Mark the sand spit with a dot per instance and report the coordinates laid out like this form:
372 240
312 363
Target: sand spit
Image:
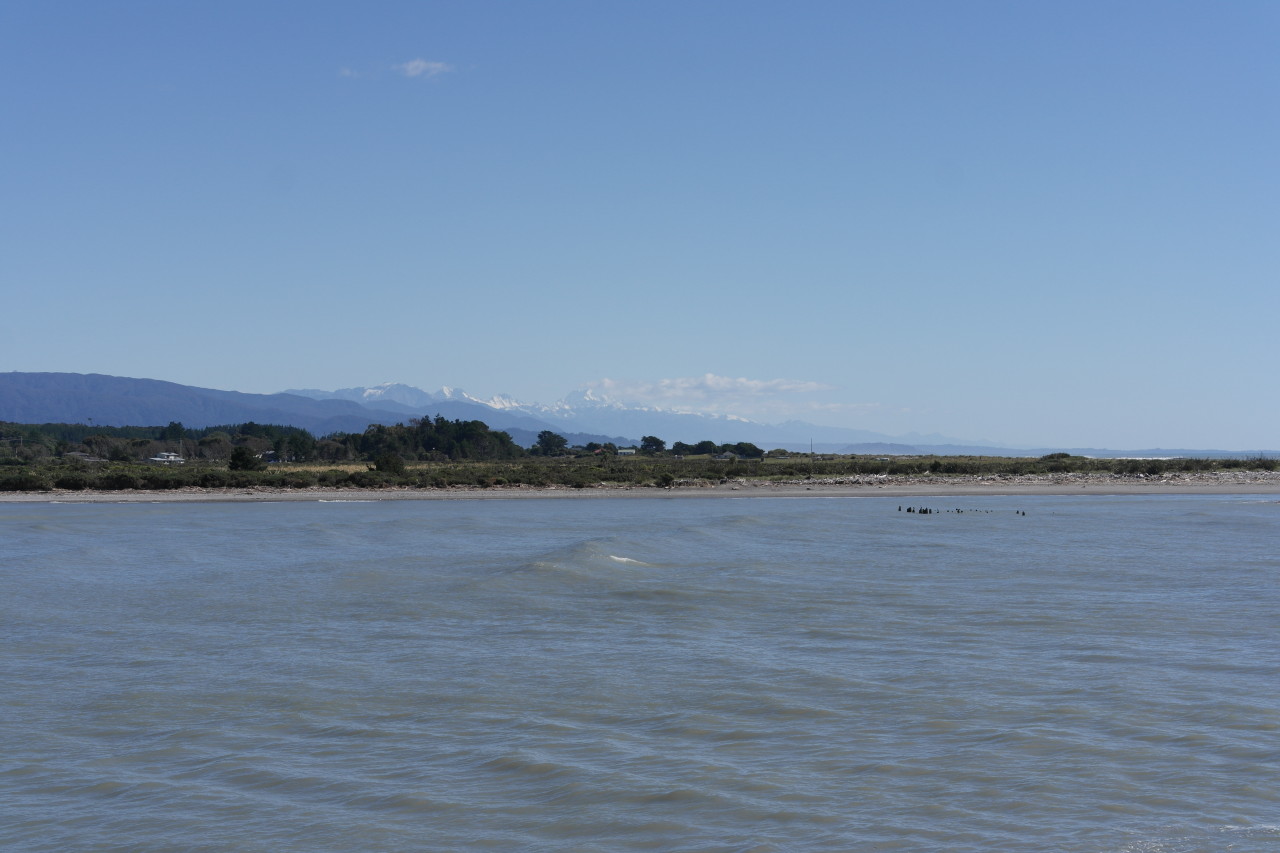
1203 483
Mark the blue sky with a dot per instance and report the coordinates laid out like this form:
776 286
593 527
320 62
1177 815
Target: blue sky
1027 223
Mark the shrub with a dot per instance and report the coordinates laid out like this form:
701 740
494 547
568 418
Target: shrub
579 480
24 481
243 479
161 479
368 479
332 478
74 480
215 479
116 480
389 463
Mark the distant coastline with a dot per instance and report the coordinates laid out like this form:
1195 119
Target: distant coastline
1094 484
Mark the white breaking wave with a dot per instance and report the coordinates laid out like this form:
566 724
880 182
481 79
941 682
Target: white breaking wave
628 561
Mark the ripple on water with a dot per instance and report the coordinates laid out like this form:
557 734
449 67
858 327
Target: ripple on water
596 675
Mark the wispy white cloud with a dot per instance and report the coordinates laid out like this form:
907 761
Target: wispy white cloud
423 68
710 393
842 408
427 68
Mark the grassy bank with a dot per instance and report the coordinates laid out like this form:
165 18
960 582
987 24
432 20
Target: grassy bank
578 473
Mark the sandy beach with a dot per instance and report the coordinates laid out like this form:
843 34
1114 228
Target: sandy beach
1207 483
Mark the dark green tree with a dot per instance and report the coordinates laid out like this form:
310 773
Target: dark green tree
389 463
652 444
244 459
302 446
551 444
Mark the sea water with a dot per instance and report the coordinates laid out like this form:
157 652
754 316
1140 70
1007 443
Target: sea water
763 674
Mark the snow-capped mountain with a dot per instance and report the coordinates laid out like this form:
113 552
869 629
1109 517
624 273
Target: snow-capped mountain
376 396
498 401
40 398
588 412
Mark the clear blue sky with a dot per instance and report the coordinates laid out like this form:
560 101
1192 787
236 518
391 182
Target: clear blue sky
1030 223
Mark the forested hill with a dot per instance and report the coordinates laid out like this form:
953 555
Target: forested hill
36 398
120 401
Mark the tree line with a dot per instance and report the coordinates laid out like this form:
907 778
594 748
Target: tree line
553 444
437 452
422 439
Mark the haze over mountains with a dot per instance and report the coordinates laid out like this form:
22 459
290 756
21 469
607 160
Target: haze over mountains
581 417
589 413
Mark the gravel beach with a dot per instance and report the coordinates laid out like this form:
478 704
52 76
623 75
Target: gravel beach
1215 482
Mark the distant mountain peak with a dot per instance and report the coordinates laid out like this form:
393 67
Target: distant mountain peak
590 397
584 416
591 410
397 391
498 401
374 395
504 401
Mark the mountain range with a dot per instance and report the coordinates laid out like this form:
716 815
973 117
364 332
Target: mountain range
589 413
580 417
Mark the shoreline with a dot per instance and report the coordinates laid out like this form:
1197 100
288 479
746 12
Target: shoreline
1212 483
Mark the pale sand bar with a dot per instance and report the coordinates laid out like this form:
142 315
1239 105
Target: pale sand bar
1207 483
